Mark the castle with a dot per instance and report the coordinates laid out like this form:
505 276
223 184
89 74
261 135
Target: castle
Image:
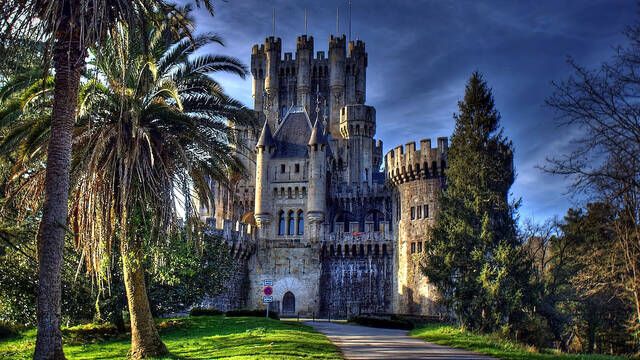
316 213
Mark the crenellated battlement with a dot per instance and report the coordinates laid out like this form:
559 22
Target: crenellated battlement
273 44
337 42
362 244
240 238
356 47
304 42
257 49
357 120
406 163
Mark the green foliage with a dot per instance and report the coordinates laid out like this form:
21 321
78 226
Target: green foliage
254 313
183 272
474 256
493 345
596 310
202 337
380 322
18 279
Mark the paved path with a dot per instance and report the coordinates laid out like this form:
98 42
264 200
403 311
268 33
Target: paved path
360 342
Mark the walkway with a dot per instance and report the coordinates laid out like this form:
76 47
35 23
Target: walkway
360 342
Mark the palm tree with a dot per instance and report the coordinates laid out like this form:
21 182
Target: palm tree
151 118
70 27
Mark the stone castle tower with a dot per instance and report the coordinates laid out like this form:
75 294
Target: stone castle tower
336 233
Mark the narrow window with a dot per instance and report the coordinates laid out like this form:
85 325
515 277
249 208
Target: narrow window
419 208
297 168
300 222
420 246
291 228
413 213
426 210
281 223
413 247
282 167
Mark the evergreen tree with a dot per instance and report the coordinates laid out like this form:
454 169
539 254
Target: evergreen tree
474 254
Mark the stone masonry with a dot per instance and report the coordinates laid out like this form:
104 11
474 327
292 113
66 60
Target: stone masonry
337 231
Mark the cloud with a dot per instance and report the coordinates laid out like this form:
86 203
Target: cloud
421 53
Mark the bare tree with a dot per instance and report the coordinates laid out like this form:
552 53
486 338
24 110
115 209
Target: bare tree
604 104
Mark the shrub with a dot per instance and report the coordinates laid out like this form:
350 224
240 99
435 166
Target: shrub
199 311
380 322
254 313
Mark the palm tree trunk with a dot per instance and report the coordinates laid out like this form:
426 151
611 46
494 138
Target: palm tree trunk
68 62
145 341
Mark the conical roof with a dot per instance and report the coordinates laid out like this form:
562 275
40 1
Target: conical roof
317 134
266 139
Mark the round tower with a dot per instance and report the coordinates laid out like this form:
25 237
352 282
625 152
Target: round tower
272 50
264 150
417 175
304 55
317 196
358 125
337 67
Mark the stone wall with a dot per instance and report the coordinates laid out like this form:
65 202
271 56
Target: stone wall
234 295
351 285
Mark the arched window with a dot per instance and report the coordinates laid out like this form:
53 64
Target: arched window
281 222
300 221
288 303
291 221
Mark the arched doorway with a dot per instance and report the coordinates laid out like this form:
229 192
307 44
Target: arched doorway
288 303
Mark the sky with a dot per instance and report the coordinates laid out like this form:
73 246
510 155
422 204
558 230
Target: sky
422 52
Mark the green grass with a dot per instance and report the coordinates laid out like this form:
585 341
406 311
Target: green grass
203 337
492 345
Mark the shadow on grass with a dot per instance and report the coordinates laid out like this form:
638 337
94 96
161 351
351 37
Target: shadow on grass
202 337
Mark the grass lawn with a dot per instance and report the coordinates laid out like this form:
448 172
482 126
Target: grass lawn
203 337
491 345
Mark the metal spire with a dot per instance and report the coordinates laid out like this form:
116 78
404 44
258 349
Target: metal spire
349 20
337 20
273 20
305 21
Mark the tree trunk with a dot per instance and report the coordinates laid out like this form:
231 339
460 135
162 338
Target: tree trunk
145 341
68 62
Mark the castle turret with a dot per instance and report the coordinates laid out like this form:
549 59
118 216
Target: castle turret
358 57
337 63
358 125
304 55
316 200
272 49
264 150
257 72
417 176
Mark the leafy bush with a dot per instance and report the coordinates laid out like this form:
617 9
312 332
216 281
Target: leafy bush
380 322
255 313
199 311
187 272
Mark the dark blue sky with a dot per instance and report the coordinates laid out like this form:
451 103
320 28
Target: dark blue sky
422 52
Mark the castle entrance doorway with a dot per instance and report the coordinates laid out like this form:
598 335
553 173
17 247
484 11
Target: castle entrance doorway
288 303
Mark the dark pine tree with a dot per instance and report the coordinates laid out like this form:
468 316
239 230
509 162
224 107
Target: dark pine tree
474 254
